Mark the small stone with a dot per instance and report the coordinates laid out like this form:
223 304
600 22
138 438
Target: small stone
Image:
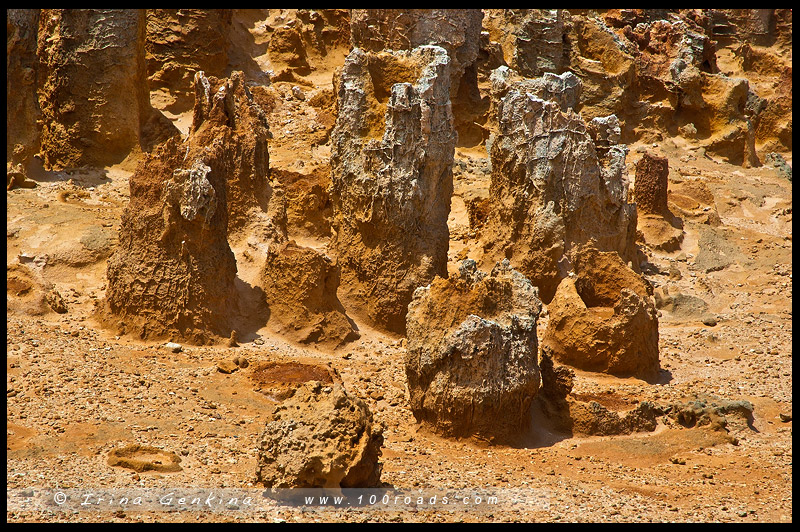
243 362
227 366
785 417
172 346
258 341
711 321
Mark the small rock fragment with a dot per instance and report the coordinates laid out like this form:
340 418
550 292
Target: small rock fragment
174 347
227 366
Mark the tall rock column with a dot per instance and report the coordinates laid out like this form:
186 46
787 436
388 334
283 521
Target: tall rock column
391 161
556 182
93 87
22 105
456 30
173 273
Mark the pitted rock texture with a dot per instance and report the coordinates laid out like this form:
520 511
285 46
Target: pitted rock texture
308 203
532 40
391 172
551 189
471 362
181 42
300 42
173 271
321 437
650 190
300 285
456 30
564 89
22 103
659 70
228 103
93 87
602 319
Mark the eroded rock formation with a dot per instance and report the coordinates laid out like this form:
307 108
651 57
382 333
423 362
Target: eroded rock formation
22 103
587 418
472 352
228 102
602 318
93 87
659 228
391 160
300 285
650 190
181 42
456 30
554 186
173 271
321 437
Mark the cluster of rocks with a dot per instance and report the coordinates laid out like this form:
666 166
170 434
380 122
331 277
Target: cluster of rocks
553 94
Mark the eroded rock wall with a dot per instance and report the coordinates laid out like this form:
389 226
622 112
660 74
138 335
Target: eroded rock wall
93 89
181 42
22 102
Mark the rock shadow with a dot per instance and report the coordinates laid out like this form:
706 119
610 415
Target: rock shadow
82 177
542 431
253 311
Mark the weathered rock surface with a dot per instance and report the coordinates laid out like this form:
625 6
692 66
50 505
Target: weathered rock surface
391 161
144 458
22 103
551 187
532 40
658 70
229 103
471 362
708 410
303 41
602 319
657 226
94 119
308 203
173 271
28 292
650 190
181 42
321 437
300 285
456 30
280 380
574 415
